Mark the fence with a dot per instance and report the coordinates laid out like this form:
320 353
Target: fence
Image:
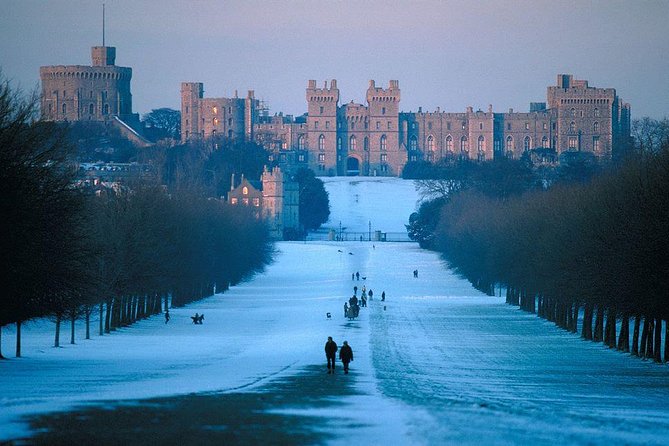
349 236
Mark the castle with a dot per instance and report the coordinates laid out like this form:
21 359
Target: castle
379 139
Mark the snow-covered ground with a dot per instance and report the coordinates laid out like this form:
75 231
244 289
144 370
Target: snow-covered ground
437 363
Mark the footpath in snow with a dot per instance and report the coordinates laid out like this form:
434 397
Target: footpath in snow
437 363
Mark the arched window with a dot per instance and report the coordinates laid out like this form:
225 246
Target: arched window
449 143
527 143
215 121
321 143
383 143
64 108
430 143
352 143
300 142
464 147
509 143
413 143
573 112
214 110
596 113
480 146
544 142
230 122
245 190
230 134
595 127
91 109
338 143
572 127
365 143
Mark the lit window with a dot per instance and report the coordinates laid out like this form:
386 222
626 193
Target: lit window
321 157
573 143
321 142
378 125
544 142
352 143
595 127
214 110
284 145
527 126
300 157
509 143
449 143
383 143
215 121
545 126
256 202
233 201
245 190
384 157
430 143
595 143
527 143
413 143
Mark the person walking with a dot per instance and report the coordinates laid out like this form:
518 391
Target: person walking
345 309
370 294
346 355
331 354
167 316
383 296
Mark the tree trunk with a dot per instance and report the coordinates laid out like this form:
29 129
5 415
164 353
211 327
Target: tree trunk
649 338
574 327
56 342
108 316
624 338
1 357
73 318
101 322
666 341
611 328
635 336
88 321
18 339
644 338
599 325
658 341
587 322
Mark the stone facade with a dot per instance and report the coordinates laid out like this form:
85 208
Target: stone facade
378 139
276 198
98 92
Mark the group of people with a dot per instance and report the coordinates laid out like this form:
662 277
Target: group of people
345 354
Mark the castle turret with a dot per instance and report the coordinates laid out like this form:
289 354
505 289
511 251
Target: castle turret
385 156
322 127
191 93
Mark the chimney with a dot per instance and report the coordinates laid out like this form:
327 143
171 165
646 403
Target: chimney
232 182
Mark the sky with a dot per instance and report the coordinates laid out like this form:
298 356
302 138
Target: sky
447 54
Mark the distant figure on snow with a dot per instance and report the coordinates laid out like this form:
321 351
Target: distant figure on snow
383 296
167 316
346 355
357 275
331 354
198 318
415 273
370 294
364 301
352 276
353 301
355 289
345 309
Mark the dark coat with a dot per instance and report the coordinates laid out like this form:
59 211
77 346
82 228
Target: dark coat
330 348
346 353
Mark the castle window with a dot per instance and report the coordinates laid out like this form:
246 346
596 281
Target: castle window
186 109
390 125
284 145
596 113
527 143
413 125
214 110
316 124
91 95
383 143
527 126
383 111
449 143
384 157
480 126
430 156
508 126
213 133
595 127
186 121
245 190
352 143
544 142
573 112
327 124
338 143
256 202
229 110
49 108
595 143
464 146
229 122
573 143
64 94
300 142
321 143
90 109
464 125
64 108
509 143
105 109
430 143
321 110
300 157
572 127
413 143
545 126
352 125
365 144
215 121
230 134
448 126
233 200
480 146
378 125
429 125
321 157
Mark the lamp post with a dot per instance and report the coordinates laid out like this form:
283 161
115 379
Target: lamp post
370 230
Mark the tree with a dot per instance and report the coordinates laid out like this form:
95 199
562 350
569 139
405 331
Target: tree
314 200
42 252
162 123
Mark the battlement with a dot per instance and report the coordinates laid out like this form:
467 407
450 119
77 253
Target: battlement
379 94
324 94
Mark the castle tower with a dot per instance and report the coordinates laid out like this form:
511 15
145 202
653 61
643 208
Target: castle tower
191 93
322 128
385 156
280 201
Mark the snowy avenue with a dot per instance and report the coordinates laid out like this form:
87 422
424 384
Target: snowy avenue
436 363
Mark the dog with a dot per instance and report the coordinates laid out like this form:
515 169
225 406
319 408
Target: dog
328 315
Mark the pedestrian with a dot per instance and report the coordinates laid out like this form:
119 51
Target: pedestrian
364 301
331 354
383 296
345 309
357 275
352 276
370 294
355 289
167 316
346 355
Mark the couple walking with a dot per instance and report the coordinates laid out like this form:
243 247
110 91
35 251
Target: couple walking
345 354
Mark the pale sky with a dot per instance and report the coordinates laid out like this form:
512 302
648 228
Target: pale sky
447 54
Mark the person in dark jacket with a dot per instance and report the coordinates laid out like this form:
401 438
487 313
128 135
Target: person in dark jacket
346 355
331 354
